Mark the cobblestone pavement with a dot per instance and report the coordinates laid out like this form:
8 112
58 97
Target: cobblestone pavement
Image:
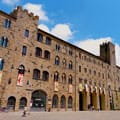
85 115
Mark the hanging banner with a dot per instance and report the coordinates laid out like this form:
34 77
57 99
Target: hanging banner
0 77
100 89
96 89
56 86
81 87
70 88
20 80
86 88
91 89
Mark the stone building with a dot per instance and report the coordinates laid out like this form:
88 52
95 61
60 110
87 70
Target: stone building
44 72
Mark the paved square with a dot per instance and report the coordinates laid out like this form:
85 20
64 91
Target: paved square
85 115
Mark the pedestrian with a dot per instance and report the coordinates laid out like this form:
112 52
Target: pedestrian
25 111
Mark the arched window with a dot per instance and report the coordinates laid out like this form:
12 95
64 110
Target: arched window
38 52
70 79
21 69
55 101
7 23
24 50
11 103
64 62
45 76
36 74
57 60
63 78
23 103
56 76
1 64
26 33
47 54
48 41
39 37
4 42
70 100
70 65
63 102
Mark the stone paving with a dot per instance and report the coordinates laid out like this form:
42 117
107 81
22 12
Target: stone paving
84 115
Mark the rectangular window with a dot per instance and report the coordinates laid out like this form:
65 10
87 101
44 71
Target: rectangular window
24 50
7 23
48 41
79 68
3 42
26 34
1 64
80 80
70 52
94 72
39 37
90 71
57 47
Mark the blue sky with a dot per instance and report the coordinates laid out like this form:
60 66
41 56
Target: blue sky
86 23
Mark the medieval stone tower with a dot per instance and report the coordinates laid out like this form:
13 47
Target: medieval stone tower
107 53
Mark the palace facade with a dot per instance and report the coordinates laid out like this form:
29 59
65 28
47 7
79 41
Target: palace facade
46 73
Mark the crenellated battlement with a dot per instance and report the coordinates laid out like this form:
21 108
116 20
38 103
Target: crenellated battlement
19 9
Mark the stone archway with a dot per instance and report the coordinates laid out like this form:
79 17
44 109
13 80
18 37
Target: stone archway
55 102
63 102
39 100
23 103
82 100
102 101
70 102
93 99
11 103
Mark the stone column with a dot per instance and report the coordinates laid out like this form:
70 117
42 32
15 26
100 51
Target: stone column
98 101
66 106
88 99
17 104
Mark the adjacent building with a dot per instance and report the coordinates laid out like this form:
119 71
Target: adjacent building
43 72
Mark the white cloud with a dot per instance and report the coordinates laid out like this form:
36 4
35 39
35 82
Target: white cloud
92 45
37 9
117 49
62 31
44 27
10 2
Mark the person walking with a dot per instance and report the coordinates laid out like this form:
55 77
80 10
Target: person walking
25 111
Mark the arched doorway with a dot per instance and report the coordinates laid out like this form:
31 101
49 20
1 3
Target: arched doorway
63 102
70 102
102 101
55 102
82 100
23 103
39 100
93 99
11 103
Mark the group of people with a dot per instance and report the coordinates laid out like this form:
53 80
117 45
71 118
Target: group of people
91 107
